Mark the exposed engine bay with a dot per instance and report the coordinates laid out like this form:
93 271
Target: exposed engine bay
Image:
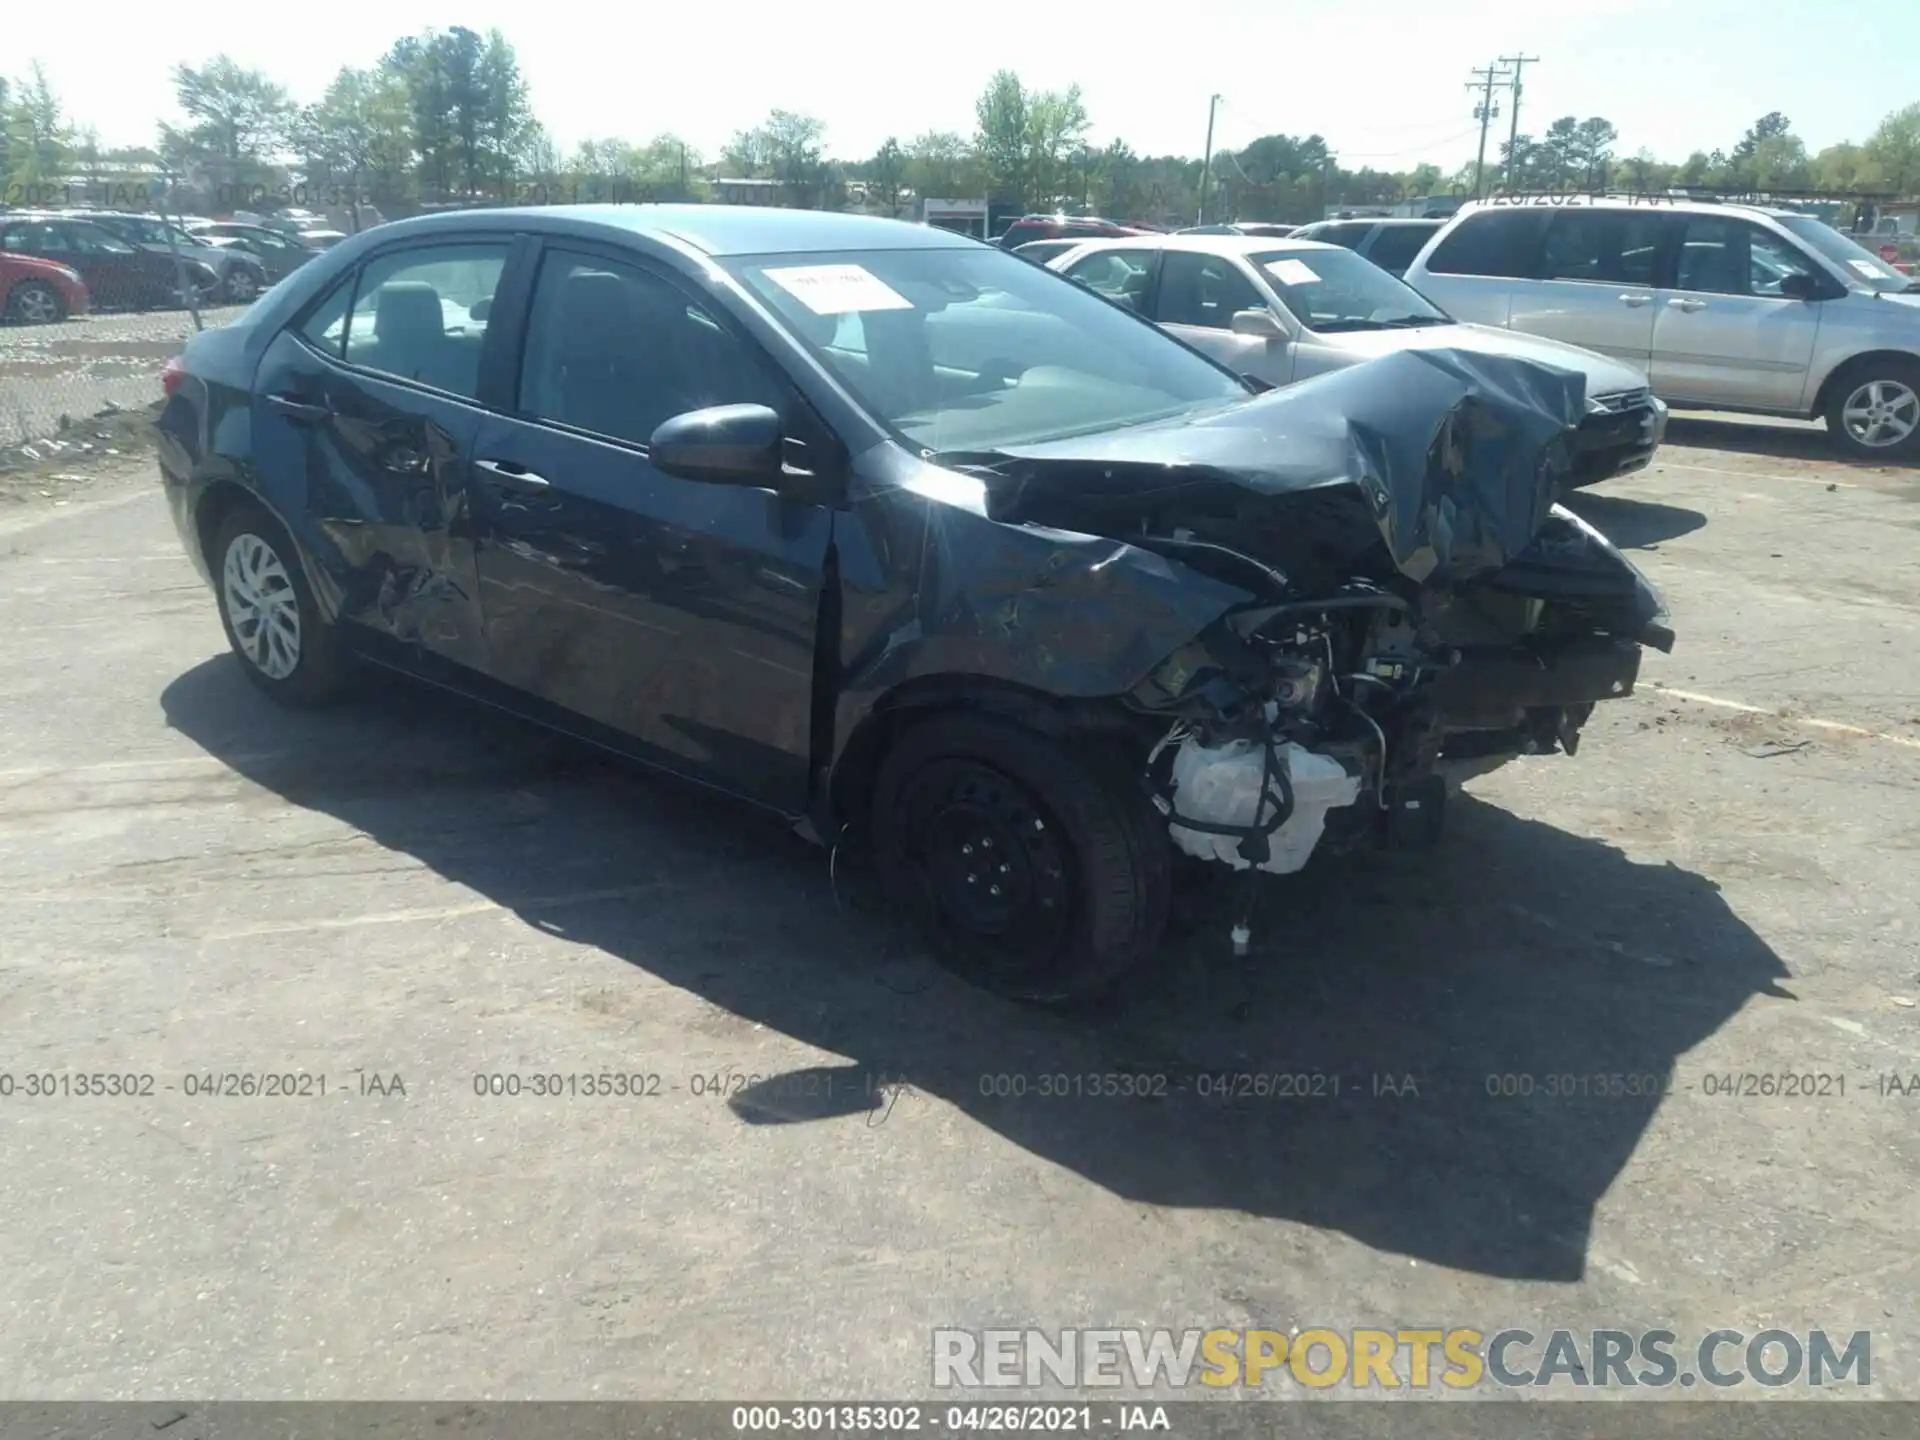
1416 613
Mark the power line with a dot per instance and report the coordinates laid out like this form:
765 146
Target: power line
1518 62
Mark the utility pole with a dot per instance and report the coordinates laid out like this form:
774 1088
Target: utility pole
1206 165
1518 62
1484 80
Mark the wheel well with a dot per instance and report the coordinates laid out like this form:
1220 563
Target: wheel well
1847 368
851 785
218 503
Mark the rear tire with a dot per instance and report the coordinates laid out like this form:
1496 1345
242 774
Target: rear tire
267 609
1033 871
34 302
1873 411
241 286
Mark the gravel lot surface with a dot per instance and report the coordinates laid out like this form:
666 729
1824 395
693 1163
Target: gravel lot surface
1721 884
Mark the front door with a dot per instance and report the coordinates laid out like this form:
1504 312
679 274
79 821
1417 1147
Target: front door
682 614
1597 279
1196 300
372 402
1724 334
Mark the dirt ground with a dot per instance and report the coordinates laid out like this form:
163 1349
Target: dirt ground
402 896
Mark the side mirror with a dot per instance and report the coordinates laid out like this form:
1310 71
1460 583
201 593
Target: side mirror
1800 287
1257 325
724 445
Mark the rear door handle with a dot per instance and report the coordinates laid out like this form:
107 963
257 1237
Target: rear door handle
1690 306
514 477
298 410
1636 301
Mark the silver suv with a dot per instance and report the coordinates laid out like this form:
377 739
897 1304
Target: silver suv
1726 307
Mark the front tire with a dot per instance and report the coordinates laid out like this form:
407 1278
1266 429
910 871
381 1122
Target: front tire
1873 412
34 302
277 632
241 285
1033 870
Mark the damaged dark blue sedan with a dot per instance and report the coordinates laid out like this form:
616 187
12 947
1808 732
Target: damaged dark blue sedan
906 540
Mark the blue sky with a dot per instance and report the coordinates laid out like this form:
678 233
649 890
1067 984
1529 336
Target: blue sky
1383 80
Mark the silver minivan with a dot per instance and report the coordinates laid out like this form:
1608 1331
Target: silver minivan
1726 307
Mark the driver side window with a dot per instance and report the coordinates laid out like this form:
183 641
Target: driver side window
1119 275
1204 291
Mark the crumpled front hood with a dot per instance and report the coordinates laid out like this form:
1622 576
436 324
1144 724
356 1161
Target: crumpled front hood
1458 455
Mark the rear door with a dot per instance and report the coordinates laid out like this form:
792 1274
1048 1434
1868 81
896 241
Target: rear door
1723 333
679 613
365 414
1196 299
1596 284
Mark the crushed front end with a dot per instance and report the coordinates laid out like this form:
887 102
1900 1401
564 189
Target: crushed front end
1418 609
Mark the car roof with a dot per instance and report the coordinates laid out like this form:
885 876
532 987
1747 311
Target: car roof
718 230
1664 204
1211 244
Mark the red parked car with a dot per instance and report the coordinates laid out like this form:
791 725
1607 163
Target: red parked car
37 292
1029 228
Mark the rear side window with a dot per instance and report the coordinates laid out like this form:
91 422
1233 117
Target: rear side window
1503 244
421 314
1347 235
1395 246
1611 247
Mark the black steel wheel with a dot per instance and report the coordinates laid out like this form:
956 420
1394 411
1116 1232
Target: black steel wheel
1031 870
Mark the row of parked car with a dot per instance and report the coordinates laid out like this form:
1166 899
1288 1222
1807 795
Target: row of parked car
57 263
1693 303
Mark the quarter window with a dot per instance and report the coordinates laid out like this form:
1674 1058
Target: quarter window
615 350
1204 291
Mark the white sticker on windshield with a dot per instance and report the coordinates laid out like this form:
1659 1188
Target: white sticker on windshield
838 289
1867 268
1292 272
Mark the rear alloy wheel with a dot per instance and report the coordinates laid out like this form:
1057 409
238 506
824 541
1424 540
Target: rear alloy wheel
1031 872
1875 412
34 302
275 629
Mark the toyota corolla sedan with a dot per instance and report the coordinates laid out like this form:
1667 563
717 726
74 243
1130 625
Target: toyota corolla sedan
900 538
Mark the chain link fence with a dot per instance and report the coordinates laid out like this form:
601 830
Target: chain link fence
55 378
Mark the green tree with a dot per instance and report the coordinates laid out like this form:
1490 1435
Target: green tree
472 122
888 173
940 164
1893 150
39 139
1592 151
1056 126
240 121
1840 167
362 132
1001 128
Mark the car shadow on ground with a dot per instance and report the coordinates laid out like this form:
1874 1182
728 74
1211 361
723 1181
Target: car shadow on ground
1633 524
1760 438
1481 1035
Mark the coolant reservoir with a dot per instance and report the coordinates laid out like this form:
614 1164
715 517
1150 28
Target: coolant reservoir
1220 784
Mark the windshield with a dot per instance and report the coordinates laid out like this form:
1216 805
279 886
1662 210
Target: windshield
1862 266
1334 290
977 349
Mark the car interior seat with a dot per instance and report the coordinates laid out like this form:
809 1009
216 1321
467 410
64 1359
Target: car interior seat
410 335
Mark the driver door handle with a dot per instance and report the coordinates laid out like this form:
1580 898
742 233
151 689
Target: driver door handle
514 477
1690 306
1636 301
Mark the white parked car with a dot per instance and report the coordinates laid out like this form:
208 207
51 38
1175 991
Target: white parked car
1726 307
1281 311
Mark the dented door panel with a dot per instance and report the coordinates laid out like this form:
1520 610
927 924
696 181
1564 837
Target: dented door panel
373 475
